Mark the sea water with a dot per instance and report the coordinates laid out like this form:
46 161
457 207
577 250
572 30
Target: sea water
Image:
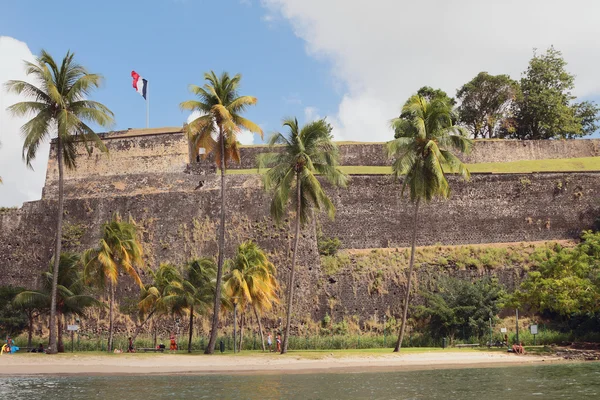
558 381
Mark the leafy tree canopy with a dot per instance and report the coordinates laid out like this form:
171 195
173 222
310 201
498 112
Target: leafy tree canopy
13 320
458 306
486 103
545 108
429 94
566 282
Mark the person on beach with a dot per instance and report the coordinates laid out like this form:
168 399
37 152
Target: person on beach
130 348
278 343
9 344
270 342
173 346
518 348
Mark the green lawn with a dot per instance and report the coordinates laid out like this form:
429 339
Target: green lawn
528 166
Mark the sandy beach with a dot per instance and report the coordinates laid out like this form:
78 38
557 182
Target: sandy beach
142 364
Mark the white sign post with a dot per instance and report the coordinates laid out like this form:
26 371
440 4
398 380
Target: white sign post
534 331
503 330
72 329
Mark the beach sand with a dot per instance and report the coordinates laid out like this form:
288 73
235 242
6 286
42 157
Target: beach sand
142 364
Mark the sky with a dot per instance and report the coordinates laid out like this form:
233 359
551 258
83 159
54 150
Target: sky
354 62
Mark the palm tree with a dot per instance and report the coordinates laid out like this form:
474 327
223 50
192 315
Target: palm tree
215 130
71 297
194 293
421 152
119 250
60 108
152 296
251 280
306 152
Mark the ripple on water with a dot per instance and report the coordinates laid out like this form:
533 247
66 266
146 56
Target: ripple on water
573 381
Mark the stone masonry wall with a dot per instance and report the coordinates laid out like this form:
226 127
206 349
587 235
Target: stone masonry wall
370 214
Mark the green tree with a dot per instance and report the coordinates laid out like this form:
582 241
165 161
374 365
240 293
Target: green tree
460 306
430 94
152 296
251 281
119 251
12 318
194 292
423 156
71 298
486 101
60 107
545 109
220 108
566 281
306 152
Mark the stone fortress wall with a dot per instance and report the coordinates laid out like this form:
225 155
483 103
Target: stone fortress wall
148 175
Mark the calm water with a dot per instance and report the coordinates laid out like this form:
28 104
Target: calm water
576 381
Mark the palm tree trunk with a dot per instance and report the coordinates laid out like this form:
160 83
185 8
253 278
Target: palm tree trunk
210 349
290 295
260 329
410 270
60 346
139 327
57 249
242 318
30 329
110 315
191 328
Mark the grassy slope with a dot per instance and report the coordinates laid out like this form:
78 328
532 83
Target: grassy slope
527 166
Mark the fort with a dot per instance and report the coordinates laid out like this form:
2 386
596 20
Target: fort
152 175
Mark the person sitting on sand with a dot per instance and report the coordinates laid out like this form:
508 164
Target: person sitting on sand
518 348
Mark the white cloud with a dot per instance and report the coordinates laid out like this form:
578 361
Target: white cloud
292 98
311 114
384 50
20 183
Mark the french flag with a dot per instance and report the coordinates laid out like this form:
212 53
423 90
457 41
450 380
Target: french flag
139 84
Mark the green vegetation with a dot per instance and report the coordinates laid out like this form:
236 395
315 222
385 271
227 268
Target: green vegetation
220 108
119 251
251 282
486 101
71 299
545 108
307 151
425 133
59 105
566 282
457 305
581 164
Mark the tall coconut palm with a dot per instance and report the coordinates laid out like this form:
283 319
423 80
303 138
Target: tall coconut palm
193 292
423 155
71 296
306 152
60 109
220 108
251 281
119 251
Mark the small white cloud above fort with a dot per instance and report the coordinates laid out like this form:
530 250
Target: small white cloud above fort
20 183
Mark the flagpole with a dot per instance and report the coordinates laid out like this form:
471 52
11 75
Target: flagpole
147 105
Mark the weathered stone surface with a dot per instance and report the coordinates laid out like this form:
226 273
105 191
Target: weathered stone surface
176 204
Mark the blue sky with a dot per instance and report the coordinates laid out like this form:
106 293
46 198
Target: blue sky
352 61
172 43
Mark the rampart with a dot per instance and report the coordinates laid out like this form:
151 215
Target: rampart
176 203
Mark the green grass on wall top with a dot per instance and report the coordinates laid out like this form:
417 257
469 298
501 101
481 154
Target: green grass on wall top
514 167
